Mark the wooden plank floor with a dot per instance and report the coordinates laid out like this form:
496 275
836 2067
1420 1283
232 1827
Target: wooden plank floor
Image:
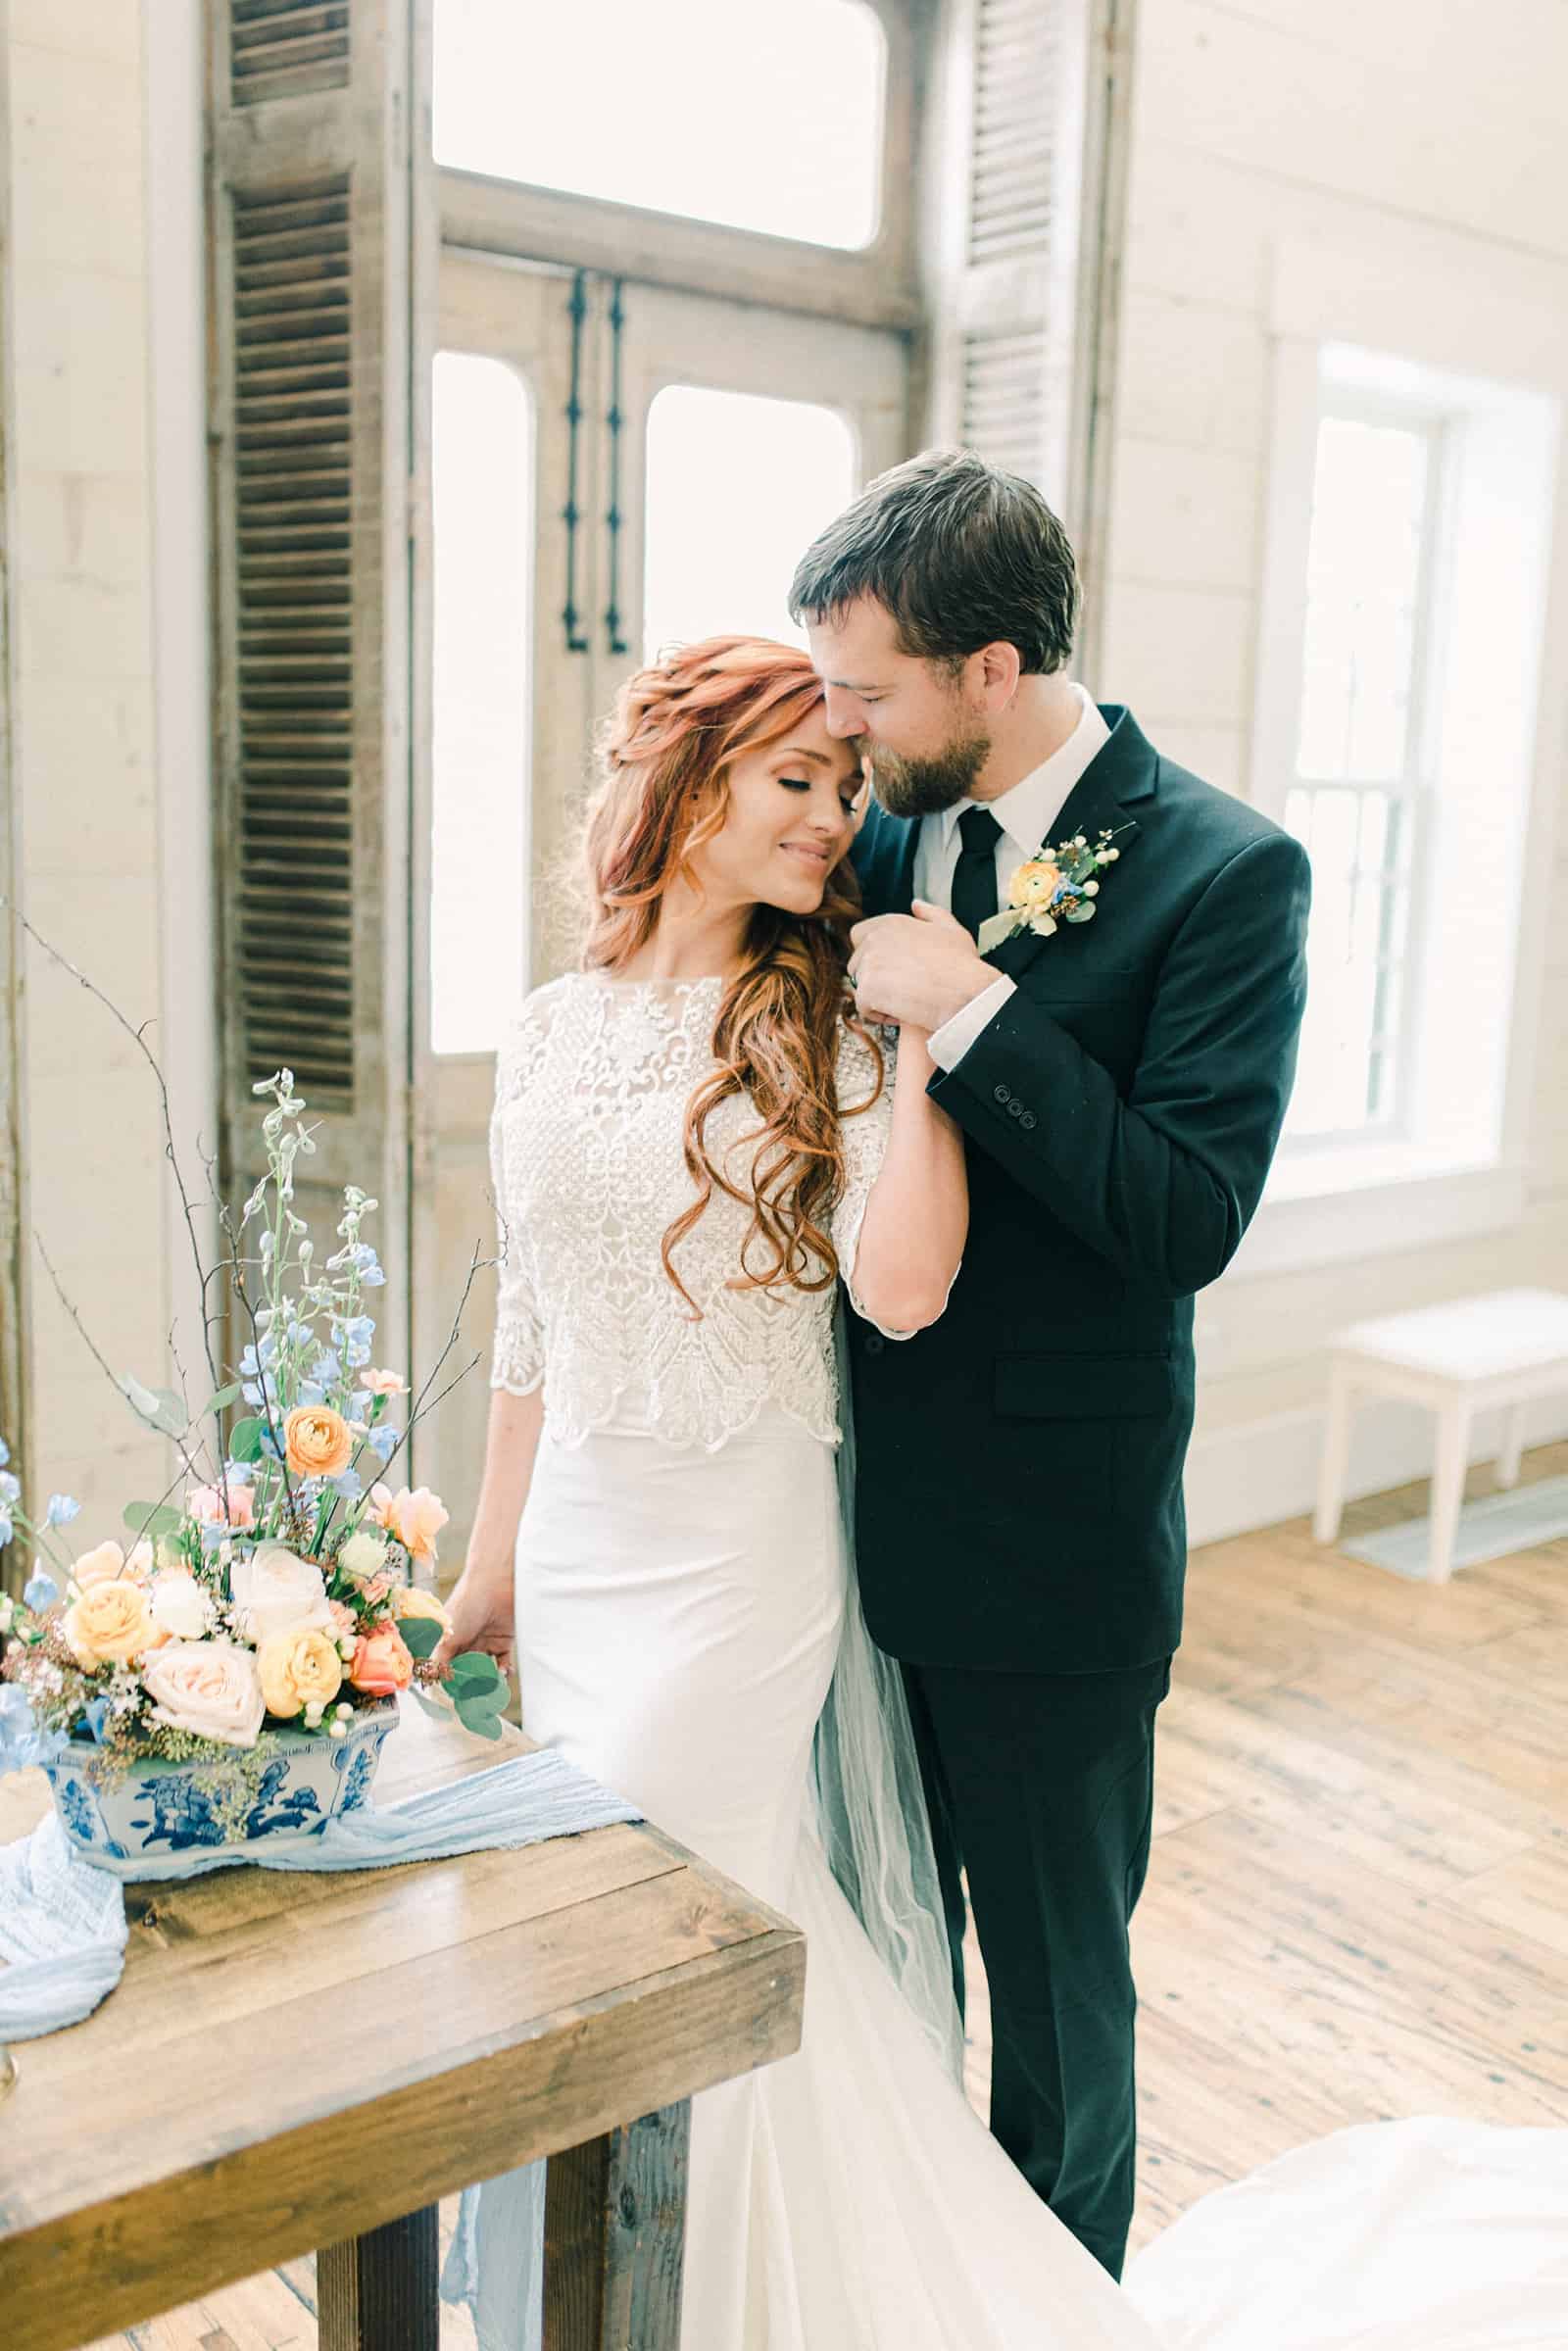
1357 1906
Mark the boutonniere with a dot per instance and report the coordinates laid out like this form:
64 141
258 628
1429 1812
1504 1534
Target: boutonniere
1054 886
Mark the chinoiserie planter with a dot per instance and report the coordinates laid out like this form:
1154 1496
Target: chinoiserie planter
291 1783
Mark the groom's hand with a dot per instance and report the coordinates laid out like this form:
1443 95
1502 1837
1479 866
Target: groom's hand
916 969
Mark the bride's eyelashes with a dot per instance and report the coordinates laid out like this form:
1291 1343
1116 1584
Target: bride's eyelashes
799 783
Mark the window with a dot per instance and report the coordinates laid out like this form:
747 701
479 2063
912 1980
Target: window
1360 769
700 574
481 470
1407 564
733 111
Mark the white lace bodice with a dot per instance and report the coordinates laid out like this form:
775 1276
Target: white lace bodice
587 1161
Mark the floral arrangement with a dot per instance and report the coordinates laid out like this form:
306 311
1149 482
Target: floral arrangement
1054 886
277 1593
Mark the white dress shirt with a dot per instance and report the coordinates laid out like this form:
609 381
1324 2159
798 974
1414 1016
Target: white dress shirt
1026 815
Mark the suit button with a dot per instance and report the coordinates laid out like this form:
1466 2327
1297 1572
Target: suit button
999 1094
874 1343
1014 1108
1028 1120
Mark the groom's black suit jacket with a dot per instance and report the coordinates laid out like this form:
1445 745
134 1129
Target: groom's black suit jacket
1019 1463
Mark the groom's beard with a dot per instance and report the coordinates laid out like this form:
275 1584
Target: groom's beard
925 787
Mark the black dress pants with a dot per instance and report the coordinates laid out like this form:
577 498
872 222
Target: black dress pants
1041 1789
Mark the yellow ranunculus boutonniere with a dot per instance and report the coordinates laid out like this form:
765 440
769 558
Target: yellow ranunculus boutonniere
1054 886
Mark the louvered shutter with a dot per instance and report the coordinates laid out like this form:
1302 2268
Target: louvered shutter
1034 112
310 209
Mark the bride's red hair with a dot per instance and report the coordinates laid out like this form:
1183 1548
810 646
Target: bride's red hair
664 757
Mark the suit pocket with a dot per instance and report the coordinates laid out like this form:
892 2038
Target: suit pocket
1101 1386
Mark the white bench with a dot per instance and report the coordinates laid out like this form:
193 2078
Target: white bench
1504 1349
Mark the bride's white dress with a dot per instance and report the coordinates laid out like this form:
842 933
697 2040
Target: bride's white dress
681 1590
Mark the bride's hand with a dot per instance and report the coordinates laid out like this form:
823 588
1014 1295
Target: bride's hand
480 1616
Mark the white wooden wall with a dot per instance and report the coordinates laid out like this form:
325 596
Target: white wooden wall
85 728
1403 128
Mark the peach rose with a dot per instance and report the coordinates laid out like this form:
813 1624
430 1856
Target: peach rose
416 1517
110 1624
411 1600
206 1688
381 1663
299 1668
1034 883
105 1565
378 1505
316 1443
383 1383
206 1504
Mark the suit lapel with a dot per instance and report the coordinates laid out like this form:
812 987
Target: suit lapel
884 859
1125 772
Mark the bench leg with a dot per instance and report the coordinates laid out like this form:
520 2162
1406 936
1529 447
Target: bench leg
615 2238
1335 1459
1512 1446
1447 1489
379 2291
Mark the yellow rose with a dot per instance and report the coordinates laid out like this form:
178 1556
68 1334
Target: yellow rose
411 1600
316 1443
110 1623
298 1668
103 1565
1035 883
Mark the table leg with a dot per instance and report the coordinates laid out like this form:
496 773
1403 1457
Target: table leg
1447 1489
379 2291
1335 1459
1511 1446
615 2237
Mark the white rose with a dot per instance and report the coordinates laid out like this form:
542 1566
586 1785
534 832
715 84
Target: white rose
273 1590
362 1557
181 1609
206 1688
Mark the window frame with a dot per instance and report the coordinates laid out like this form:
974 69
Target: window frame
1438 310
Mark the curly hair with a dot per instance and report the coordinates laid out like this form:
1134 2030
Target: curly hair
663 758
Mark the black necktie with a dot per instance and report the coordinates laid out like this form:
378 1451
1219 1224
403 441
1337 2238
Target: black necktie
974 879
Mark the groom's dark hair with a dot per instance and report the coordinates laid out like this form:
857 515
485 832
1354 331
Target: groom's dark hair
960 554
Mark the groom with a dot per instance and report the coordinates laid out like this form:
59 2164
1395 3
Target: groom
1120 1081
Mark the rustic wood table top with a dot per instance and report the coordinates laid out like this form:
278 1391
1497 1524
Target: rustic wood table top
295 2059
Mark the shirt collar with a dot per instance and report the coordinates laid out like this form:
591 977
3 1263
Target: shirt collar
1027 812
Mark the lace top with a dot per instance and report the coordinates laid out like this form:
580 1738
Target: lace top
588 1165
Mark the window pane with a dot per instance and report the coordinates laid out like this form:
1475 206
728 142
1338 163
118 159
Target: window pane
737 488
1346 1075
738 110
482 490
1369 498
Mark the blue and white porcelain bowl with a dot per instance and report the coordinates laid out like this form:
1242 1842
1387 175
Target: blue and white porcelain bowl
161 1810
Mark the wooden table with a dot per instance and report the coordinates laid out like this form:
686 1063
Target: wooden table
294 2061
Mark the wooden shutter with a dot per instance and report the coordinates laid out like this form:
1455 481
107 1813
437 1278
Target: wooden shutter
1033 119
310 239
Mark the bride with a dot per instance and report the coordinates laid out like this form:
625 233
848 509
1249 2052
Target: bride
695 1141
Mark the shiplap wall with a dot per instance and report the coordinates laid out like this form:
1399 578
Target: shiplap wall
1423 134
85 731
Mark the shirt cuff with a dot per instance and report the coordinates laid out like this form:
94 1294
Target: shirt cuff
951 1040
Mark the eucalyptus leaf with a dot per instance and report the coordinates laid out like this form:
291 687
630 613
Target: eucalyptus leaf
159 1407
472 1671
245 1439
221 1401
434 1707
1080 915
420 1635
483 1725
154 1520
